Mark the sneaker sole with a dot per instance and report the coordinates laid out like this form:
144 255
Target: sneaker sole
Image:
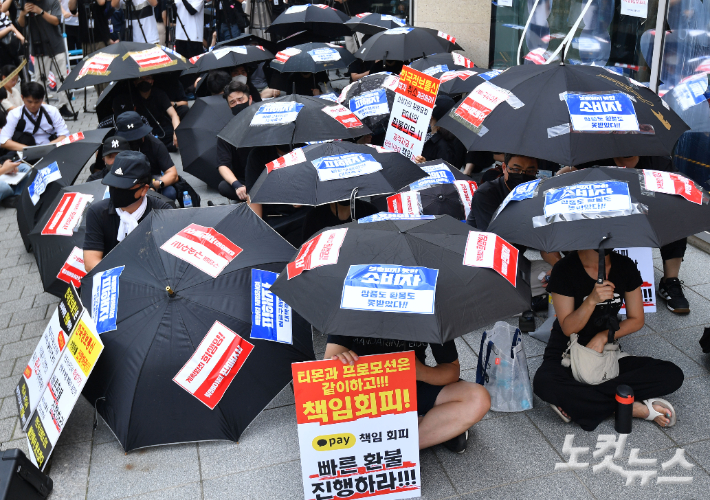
682 310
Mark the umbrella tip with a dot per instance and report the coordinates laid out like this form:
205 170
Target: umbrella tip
171 292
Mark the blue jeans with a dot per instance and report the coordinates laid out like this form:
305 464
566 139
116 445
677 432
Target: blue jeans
224 33
169 192
7 190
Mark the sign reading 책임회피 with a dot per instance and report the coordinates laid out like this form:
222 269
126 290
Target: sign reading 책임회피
211 369
479 104
45 357
413 105
358 427
345 166
276 113
97 65
104 299
321 250
67 214
670 183
613 112
491 251
203 247
390 288
588 198
271 317
63 390
44 176
73 269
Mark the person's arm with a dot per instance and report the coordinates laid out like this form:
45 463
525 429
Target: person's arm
51 19
551 258
60 126
6 5
169 177
573 320
337 351
441 374
356 76
115 3
176 122
468 169
634 321
9 167
91 259
255 207
232 180
153 3
268 93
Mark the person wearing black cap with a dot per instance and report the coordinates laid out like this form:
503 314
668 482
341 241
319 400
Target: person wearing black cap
109 221
443 145
109 149
130 126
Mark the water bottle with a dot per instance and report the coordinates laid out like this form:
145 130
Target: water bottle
624 409
186 200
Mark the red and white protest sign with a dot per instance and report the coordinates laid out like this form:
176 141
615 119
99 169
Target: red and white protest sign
212 368
408 202
194 59
73 269
97 65
481 102
462 75
294 157
492 251
67 214
79 136
286 54
391 83
320 250
203 247
343 115
643 258
666 182
460 60
364 14
466 190
151 59
446 37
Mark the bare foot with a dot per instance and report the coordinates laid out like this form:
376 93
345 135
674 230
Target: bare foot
567 416
640 410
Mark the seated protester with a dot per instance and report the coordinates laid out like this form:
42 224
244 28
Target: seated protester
241 74
34 123
334 214
109 149
130 126
443 145
216 81
447 406
256 164
10 194
175 92
579 306
231 162
14 97
154 104
109 221
305 83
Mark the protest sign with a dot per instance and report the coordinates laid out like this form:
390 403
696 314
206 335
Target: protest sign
286 54
97 65
271 317
466 189
104 299
370 103
203 247
276 113
345 166
324 54
492 251
390 216
292 158
46 355
67 215
669 183
438 174
408 202
413 104
321 250
358 427
479 104
635 8
73 269
588 198
63 389
602 112
79 136
643 258
343 115
44 176
216 361
150 59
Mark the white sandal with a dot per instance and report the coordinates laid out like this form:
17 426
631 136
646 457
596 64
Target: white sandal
652 413
566 420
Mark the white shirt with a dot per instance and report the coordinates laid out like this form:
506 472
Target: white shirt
69 21
14 98
44 130
148 23
193 24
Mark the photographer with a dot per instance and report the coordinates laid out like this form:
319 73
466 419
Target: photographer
144 27
10 40
93 27
46 44
189 26
231 19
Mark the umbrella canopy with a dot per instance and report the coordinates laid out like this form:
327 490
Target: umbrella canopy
371 24
70 159
247 39
292 119
123 61
462 81
165 309
59 256
371 99
227 57
320 19
575 211
325 173
690 99
197 134
312 58
300 38
404 44
415 273
565 114
439 63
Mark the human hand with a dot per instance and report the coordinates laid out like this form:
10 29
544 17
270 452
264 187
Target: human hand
9 167
598 341
545 279
602 292
347 357
33 8
242 193
419 159
175 140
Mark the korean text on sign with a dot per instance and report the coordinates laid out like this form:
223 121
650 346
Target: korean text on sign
203 247
602 112
321 250
491 251
588 198
271 317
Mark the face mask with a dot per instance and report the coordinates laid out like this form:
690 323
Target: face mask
239 108
240 79
144 86
121 198
518 179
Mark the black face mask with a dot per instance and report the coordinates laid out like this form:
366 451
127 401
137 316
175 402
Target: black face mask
239 108
121 198
518 179
144 86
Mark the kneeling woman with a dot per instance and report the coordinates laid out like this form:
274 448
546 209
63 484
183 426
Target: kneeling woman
578 302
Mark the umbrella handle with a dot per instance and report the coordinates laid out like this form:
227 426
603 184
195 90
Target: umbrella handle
352 203
601 276
96 412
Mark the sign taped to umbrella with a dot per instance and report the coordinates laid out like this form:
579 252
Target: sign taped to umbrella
466 190
321 250
46 355
149 59
592 112
358 427
79 136
203 247
44 176
211 369
67 214
345 166
276 113
73 269
292 158
97 65
286 54
324 54
343 115
390 216
670 183
104 299
408 203
438 174
413 105
370 103
271 317
491 251
433 70
479 104
643 258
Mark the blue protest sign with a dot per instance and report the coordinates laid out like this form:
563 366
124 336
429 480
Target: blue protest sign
324 54
345 165
104 299
276 113
613 112
271 317
390 216
441 68
489 75
370 104
438 174
48 174
588 198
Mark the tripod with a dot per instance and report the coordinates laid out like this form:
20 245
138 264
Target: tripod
89 15
129 26
173 14
261 16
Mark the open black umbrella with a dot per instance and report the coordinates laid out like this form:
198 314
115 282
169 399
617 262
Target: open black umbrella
300 38
123 61
371 99
325 173
371 24
452 199
228 56
406 43
292 119
149 384
320 19
248 39
197 134
70 159
577 210
405 279
312 58
439 63
58 237
462 81
565 114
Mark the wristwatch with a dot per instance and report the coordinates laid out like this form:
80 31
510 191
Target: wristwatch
162 184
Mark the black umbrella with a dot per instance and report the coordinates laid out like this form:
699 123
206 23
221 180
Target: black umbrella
325 173
404 44
312 58
59 256
462 81
575 211
601 115
292 119
300 38
247 39
70 159
439 199
371 99
197 134
227 57
320 19
371 24
438 63
123 61
404 279
165 308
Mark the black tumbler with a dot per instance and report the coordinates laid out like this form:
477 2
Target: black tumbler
624 409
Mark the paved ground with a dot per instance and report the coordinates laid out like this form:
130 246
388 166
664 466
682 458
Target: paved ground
509 455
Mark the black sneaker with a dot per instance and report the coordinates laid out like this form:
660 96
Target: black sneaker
457 444
671 290
66 113
526 322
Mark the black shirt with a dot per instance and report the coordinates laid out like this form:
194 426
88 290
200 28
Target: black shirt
155 108
157 154
100 32
569 278
235 159
102 223
485 202
363 346
662 163
322 217
256 163
440 148
45 39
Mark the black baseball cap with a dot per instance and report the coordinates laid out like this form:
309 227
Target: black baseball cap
128 168
115 144
130 126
